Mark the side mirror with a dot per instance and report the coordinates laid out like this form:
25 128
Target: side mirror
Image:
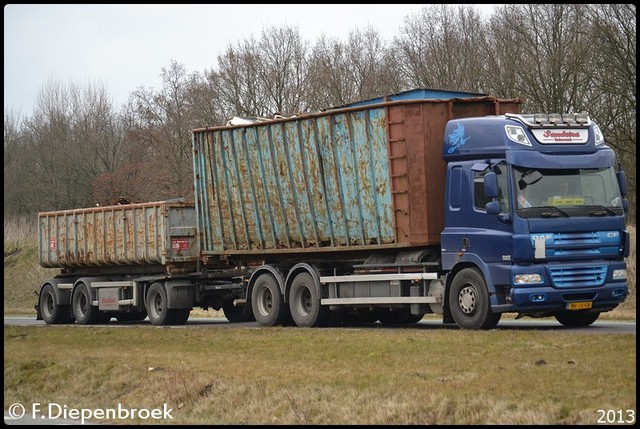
491 185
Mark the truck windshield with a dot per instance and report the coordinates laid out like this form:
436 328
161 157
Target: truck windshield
570 191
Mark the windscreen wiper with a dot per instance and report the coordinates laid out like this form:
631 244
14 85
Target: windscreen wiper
555 213
602 212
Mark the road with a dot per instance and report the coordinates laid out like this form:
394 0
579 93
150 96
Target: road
599 327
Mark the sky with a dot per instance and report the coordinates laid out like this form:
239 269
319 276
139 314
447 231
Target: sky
122 47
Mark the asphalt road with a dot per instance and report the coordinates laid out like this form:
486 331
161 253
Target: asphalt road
524 324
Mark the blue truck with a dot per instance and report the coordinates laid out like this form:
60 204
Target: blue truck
380 211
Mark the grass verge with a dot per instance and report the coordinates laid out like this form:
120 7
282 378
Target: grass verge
323 376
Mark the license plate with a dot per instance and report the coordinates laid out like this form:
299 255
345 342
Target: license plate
579 305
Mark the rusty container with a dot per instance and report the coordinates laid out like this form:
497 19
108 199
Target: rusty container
359 177
155 236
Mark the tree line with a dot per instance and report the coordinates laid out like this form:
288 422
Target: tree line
77 149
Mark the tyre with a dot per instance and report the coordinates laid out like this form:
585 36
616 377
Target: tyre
267 303
469 301
83 311
304 302
239 314
156 303
51 311
576 318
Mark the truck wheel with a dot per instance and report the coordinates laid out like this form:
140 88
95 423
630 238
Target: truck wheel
83 311
304 302
156 303
267 303
237 314
469 301
52 312
576 318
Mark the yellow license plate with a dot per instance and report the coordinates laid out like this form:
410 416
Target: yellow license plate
579 305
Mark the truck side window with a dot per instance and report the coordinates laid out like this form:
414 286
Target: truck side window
480 199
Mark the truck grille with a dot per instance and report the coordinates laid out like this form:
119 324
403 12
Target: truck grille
578 276
582 244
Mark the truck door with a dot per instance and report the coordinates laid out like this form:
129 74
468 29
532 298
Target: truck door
490 235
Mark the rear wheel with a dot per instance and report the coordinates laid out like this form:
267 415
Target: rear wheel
267 303
469 301
83 311
576 318
157 309
51 311
304 302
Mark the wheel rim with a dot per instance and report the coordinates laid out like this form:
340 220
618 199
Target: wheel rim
265 301
467 299
303 301
157 305
82 304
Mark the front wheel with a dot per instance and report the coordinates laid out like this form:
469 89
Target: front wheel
576 318
469 301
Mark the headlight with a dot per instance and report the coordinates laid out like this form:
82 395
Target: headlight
527 279
619 274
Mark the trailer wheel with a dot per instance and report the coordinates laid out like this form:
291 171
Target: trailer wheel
52 312
267 303
304 302
157 309
576 318
469 301
84 312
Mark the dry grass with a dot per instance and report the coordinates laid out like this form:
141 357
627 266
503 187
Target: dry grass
324 376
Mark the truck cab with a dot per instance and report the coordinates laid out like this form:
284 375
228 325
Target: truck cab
535 209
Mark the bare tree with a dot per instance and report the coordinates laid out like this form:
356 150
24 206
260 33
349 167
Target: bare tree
438 48
548 51
613 39
14 172
238 80
283 69
164 127
362 67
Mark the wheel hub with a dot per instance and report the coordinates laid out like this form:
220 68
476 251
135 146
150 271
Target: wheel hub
467 300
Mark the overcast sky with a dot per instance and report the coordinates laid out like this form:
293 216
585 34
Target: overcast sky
123 47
